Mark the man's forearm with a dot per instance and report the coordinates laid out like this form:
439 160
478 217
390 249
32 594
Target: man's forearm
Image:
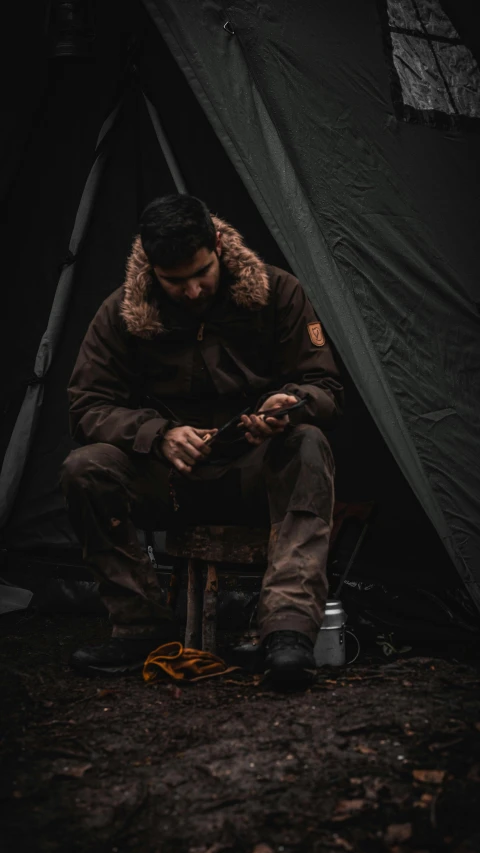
133 430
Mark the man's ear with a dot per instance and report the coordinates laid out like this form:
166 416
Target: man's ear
218 245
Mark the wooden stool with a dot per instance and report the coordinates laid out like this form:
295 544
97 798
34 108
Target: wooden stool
208 547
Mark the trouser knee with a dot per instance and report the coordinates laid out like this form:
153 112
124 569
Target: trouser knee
86 466
299 473
95 481
303 442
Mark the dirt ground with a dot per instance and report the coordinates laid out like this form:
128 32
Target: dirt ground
378 756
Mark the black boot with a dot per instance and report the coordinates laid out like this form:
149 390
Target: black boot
117 656
289 661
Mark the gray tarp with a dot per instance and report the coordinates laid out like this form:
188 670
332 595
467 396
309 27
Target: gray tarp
25 427
24 430
299 97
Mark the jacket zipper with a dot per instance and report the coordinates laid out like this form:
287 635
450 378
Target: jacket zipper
200 332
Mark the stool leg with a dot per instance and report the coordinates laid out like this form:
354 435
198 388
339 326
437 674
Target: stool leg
175 584
209 621
194 605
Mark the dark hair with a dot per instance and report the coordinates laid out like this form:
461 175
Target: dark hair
174 227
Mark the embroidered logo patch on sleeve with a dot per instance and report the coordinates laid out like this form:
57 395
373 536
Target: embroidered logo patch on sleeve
316 334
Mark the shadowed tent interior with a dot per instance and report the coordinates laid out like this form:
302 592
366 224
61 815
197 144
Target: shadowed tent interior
286 127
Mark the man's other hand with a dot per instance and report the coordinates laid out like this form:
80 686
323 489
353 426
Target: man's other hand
259 427
185 445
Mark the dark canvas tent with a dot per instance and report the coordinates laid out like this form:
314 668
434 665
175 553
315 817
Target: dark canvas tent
305 125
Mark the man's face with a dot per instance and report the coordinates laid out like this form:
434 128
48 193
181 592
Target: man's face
194 283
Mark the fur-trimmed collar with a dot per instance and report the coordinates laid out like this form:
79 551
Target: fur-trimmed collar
249 290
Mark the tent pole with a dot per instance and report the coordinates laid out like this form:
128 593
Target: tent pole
27 420
166 148
26 423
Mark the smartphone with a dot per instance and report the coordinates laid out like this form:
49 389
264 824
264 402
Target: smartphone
209 439
235 421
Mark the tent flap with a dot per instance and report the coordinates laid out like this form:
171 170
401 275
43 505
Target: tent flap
304 115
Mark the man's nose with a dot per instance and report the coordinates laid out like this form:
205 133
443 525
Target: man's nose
192 289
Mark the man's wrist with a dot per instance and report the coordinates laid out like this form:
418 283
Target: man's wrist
157 446
267 397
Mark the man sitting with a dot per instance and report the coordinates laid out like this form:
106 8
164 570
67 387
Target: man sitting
201 330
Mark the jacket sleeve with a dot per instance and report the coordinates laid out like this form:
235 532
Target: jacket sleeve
304 364
103 389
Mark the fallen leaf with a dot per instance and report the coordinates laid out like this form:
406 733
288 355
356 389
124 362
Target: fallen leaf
346 808
433 777
424 801
457 725
338 841
350 730
434 747
364 749
215 848
474 773
397 833
262 848
372 787
106 692
75 771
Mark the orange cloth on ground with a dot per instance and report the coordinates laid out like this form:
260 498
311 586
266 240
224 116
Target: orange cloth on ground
183 664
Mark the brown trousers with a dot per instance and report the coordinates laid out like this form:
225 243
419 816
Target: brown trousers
285 483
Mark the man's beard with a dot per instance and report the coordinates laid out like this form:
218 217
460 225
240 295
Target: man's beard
197 306
200 305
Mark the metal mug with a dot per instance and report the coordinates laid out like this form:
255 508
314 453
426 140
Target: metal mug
330 645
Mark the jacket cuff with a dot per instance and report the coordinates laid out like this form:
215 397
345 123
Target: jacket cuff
147 434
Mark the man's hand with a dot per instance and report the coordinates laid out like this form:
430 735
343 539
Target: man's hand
185 445
259 427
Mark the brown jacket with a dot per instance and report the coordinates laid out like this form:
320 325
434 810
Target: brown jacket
145 364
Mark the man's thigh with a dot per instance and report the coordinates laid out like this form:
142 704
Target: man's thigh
147 482
152 489
233 494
